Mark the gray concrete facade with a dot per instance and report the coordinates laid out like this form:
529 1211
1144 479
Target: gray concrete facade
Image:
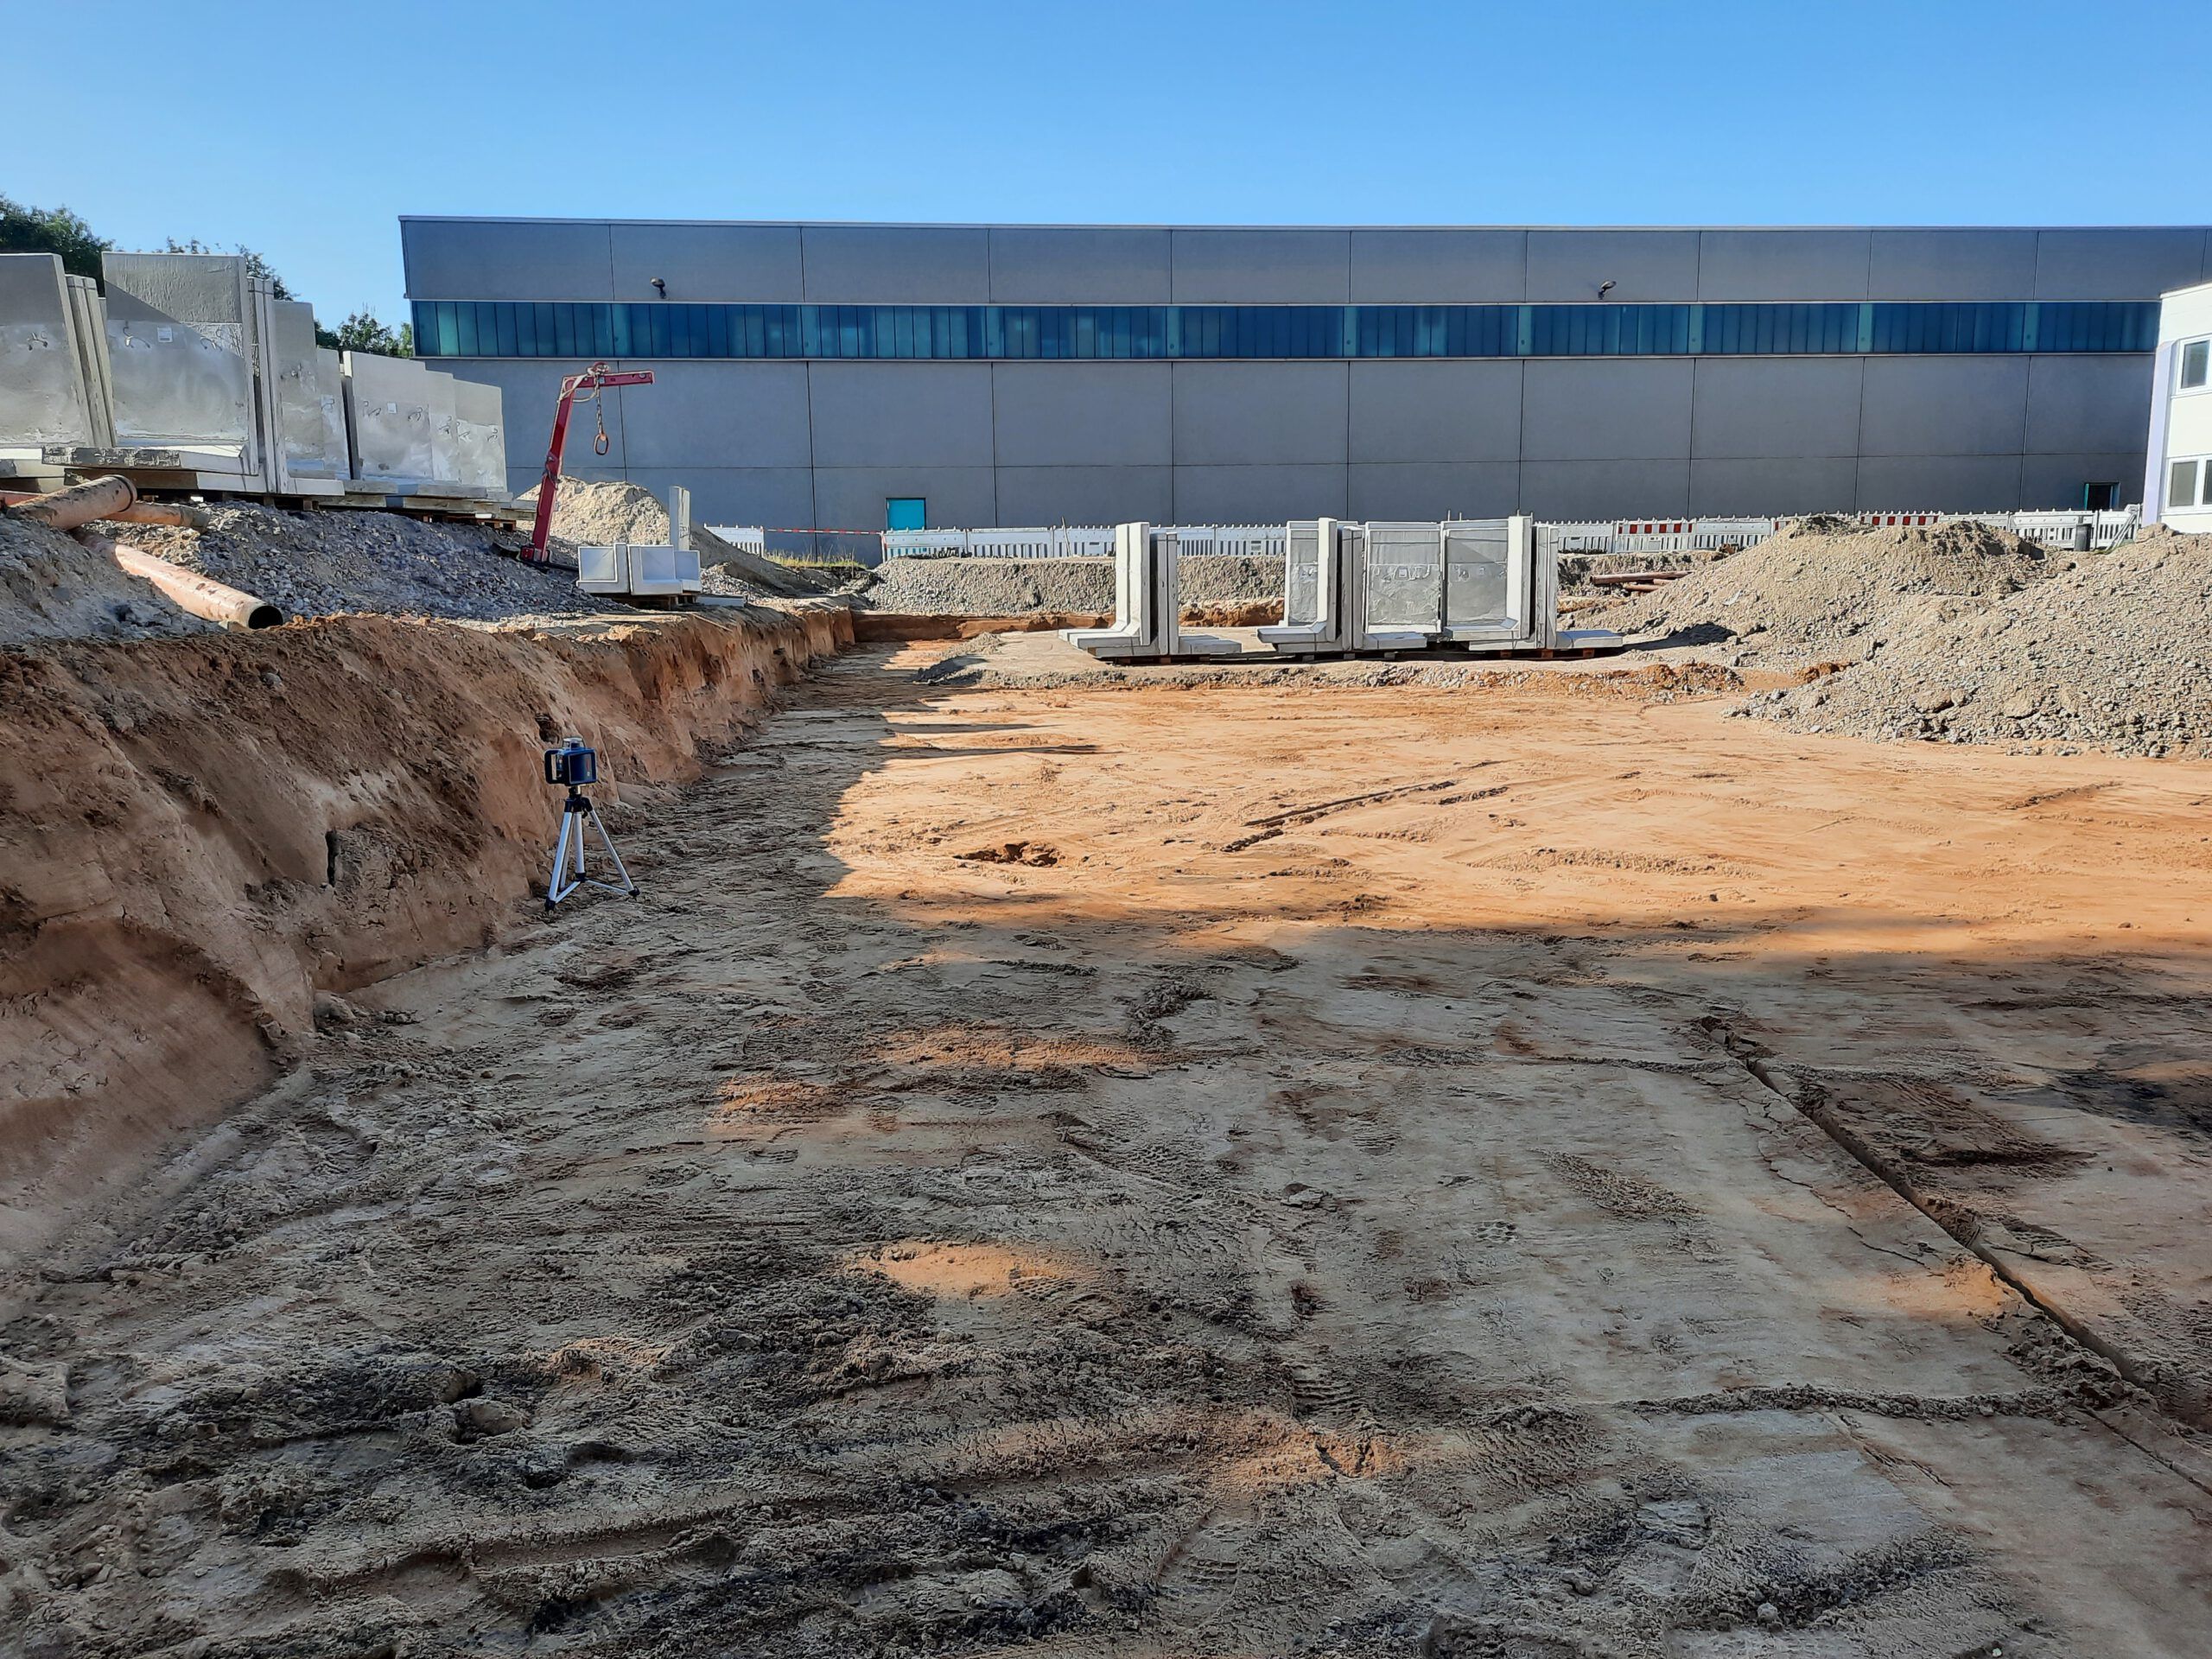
820 442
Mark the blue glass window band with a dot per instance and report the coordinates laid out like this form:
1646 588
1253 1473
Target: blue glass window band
652 329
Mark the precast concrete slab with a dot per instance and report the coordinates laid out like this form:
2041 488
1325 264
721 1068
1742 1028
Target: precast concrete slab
181 350
88 322
389 418
45 395
479 437
302 406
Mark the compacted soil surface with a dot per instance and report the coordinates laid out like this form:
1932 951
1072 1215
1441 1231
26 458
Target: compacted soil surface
1361 1170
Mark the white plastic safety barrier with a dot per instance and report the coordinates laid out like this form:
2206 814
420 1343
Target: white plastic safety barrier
745 538
1078 542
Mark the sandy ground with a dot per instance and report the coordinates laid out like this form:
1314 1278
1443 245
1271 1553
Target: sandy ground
1246 1171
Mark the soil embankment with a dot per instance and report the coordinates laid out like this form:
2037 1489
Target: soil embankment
199 835
1827 590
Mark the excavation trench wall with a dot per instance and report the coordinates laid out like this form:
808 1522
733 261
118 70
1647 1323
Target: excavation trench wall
199 835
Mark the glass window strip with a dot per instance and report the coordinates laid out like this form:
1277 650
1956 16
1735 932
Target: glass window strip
525 329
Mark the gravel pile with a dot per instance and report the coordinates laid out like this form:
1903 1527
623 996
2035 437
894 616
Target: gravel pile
1824 590
592 513
55 588
2113 653
324 560
1021 586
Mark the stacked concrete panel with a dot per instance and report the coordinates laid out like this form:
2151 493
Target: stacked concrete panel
49 391
181 353
300 410
388 412
192 373
479 437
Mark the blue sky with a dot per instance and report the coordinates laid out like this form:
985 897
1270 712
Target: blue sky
305 130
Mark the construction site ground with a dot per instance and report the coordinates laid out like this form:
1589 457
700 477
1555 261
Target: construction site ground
1239 1170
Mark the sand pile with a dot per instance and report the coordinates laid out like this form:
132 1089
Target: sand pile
55 588
599 513
1826 590
2114 653
1023 586
324 562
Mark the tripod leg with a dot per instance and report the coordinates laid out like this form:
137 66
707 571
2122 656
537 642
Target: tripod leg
558 888
608 840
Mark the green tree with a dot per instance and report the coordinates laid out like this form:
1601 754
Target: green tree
52 230
362 332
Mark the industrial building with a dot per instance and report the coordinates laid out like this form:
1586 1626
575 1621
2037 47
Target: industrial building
866 376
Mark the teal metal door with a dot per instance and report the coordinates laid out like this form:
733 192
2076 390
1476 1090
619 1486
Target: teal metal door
905 512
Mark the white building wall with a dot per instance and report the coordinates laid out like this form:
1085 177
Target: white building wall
2181 418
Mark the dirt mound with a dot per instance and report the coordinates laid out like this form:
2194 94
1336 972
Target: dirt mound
1016 587
1823 589
200 835
594 512
2113 652
53 587
326 561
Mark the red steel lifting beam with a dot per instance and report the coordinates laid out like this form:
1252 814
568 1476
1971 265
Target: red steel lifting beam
597 377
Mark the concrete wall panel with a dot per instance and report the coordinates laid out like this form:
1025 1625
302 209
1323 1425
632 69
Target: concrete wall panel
886 264
1751 489
1267 414
1607 409
1257 495
1750 408
1036 265
2055 481
1782 265
1944 406
852 498
1941 264
1438 267
1479 489
2135 264
708 263
506 259
1262 267
1435 411
1085 495
1620 489
902 414
719 415
2088 404
1944 483
1645 266
1083 414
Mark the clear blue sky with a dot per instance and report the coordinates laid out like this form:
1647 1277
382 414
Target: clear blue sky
305 130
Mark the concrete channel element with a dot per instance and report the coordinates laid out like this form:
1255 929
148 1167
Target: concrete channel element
1482 585
192 373
637 571
1147 602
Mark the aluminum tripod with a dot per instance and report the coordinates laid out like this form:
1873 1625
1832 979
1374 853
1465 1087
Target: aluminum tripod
569 871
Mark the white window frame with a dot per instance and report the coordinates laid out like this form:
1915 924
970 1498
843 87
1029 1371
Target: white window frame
2180 391
2203 502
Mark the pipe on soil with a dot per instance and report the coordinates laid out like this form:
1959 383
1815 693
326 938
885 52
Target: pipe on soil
80 504
188 591
142 512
